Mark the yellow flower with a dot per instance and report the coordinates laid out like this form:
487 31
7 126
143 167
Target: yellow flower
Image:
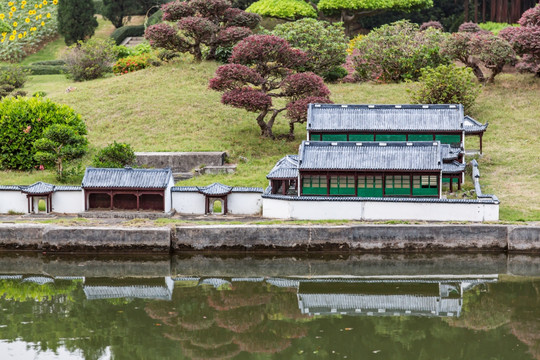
2 16
55 2
10 3
12 37
40 6
23 2
27 20
15 24
13 9
44 2
43 23
48 15
20 36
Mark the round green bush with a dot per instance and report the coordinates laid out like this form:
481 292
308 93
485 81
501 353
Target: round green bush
23 121
446 84
115 155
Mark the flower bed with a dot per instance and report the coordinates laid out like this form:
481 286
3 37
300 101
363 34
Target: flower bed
30 22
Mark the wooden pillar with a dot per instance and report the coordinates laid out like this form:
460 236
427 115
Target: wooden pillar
284 187
138 202
451 183
225 210
327 184
459 182
29 207
206 204
86 195
111 194
481 136
383 184
411 185
356 184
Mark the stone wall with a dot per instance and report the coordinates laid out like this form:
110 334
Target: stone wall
179 161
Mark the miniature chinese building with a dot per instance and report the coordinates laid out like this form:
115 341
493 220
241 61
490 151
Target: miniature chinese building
128 189
445 123
366 169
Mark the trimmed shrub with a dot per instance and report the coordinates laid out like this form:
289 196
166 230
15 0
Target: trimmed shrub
469 27
325 43
46 69
98 5
397 52
446 84
154 19
90 60
115 155
283 9
49 62
13 75
431 24
494 27
23 121
124 32
131 63
335 74
76 20
124 51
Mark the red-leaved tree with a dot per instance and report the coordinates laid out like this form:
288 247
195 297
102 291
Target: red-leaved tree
526 40
263 68
213 23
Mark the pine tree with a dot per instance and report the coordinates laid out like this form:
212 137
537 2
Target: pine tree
116 10
76 20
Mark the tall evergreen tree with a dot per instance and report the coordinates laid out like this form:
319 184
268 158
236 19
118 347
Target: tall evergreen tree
76 20
116 10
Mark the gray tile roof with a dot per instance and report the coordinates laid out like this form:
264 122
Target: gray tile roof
184 189
472 126
38 188
455 167
449 152
235 189
67 188
319 155
126 178
285 168
335 117
10 188
241 189
215 189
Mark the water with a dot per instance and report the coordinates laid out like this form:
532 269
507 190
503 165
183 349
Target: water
460 306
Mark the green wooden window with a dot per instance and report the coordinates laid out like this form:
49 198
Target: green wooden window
342 185
361 137
448 139
370 186
447 180
420 137
388 137
334 137
315 137
425 185
314 185
397 185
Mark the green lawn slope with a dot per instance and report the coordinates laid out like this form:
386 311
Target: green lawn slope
170 108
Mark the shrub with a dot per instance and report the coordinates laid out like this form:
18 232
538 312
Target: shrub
131 63
469 27
50 62
76 20
154 19
431 24
324 43
124 32
22 122
13 75
397 52
446 84
289 9
353 42
526 40
210 23
39 94
124 51
494 27
477 48
115 155
335 74
90 60
117 10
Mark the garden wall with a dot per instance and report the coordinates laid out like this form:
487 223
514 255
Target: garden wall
68 202
12 199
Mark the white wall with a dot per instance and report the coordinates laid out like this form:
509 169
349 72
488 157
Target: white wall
244 203
188 203
68 202
168 197
14 201
375 210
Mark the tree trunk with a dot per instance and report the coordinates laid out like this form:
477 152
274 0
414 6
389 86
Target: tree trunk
291 131
196 52
476 11
477 71
466 6
265 131
347 23
484 11
496 70
493 8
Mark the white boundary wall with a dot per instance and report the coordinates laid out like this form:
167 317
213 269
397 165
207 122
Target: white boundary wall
68 202
244 203
168 198
189 203
379 210
13 200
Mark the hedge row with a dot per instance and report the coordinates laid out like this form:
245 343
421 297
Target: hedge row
124 32
42 69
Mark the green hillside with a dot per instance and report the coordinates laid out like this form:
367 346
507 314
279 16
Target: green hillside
170 108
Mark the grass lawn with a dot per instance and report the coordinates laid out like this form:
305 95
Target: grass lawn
170 108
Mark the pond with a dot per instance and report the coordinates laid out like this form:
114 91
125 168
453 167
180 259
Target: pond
418 306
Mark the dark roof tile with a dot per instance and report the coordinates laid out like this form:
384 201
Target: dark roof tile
126 178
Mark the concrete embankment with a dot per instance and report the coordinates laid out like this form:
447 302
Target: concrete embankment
369 238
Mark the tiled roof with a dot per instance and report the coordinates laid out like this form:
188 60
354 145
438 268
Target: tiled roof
38 188
285 168
126 178
455 167
449 152
184 189
319 155
472 126
10 188
335 117
215 189
67 188
241 189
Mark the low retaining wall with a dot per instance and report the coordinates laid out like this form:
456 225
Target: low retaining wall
372 238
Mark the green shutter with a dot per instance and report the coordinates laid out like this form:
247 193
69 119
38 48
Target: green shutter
397 185
334 137
425 185
447 180
448 139
388 137
315 137
420 137
370 186
360 137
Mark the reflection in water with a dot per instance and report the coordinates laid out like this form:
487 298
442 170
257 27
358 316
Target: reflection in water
264 316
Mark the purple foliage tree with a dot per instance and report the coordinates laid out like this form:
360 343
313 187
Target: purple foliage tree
213 23
264 68
526 40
